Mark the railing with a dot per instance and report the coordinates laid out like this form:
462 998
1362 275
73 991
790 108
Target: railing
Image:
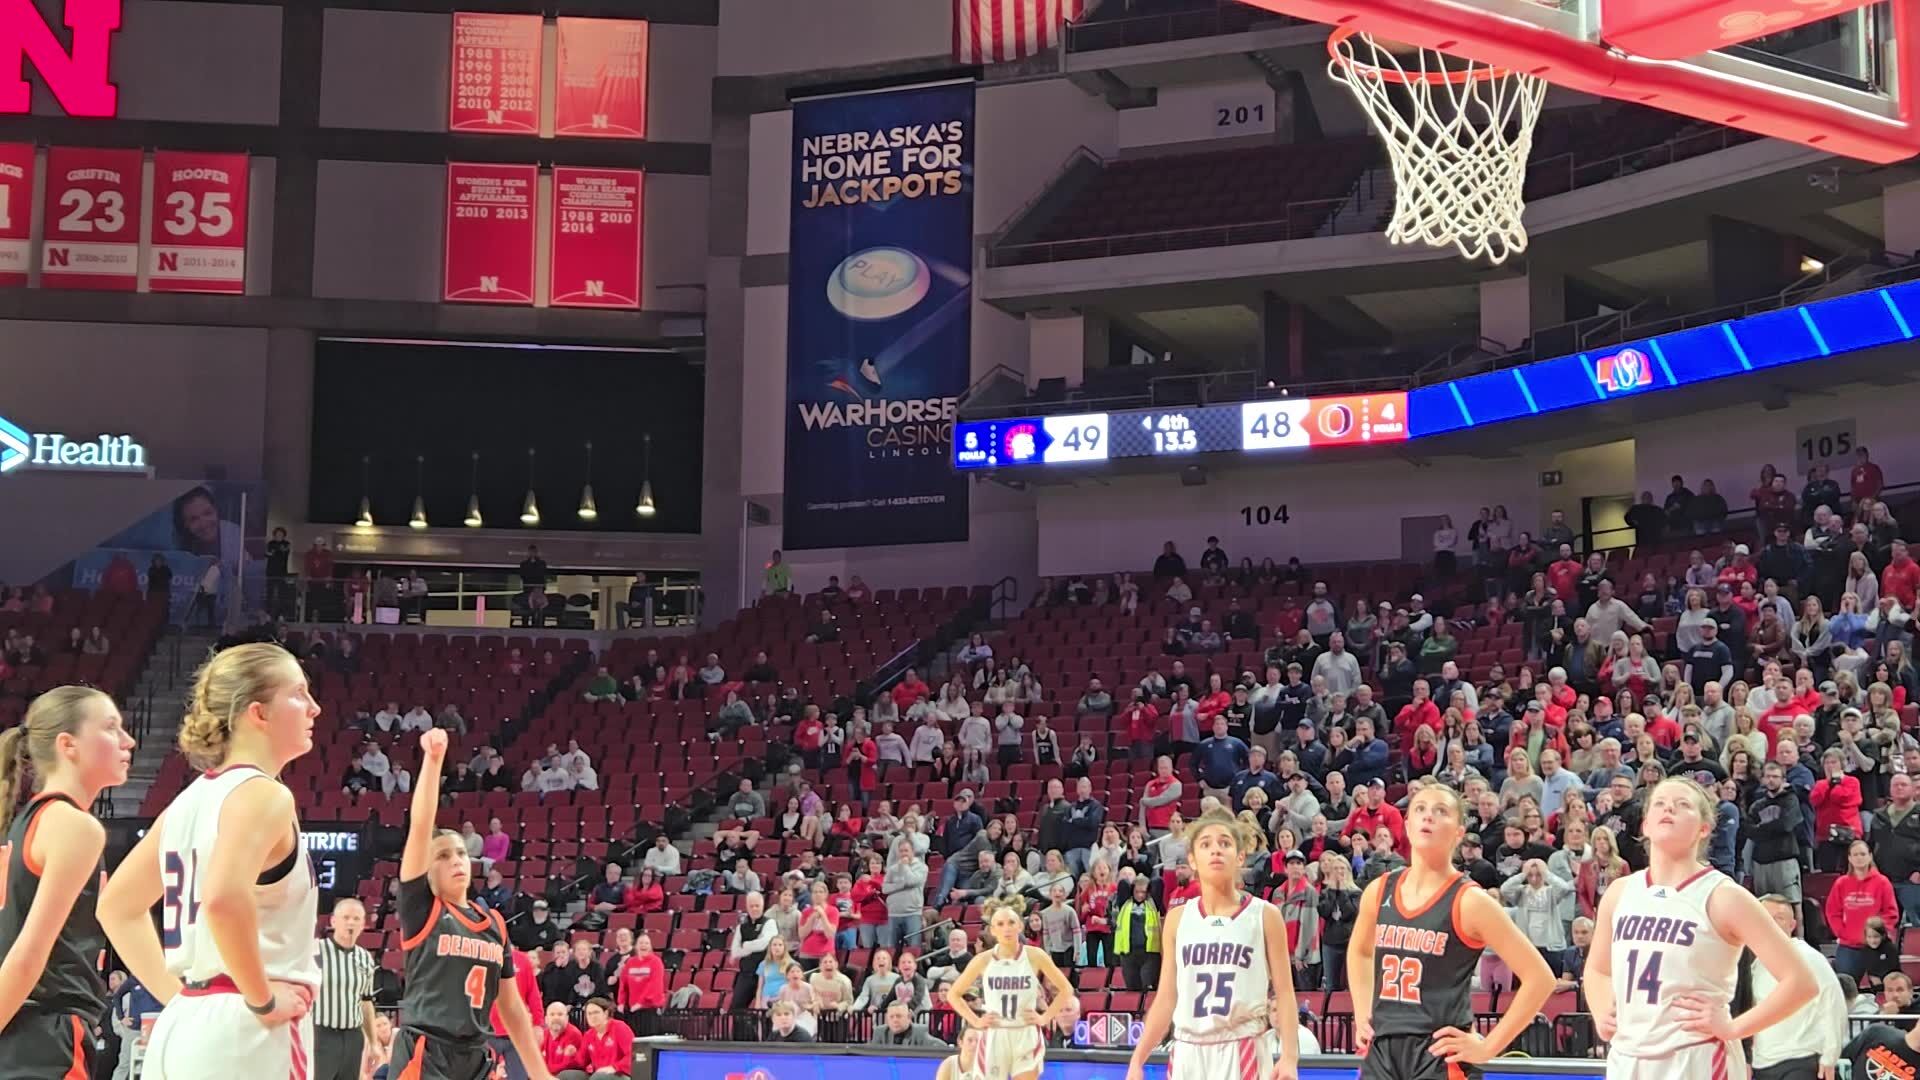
1577 172
1304 219
1226 18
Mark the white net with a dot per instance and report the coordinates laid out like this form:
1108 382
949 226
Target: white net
1458 133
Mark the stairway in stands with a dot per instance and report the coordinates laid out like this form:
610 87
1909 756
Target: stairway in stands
160 700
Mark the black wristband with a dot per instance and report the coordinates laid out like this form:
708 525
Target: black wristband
260 1010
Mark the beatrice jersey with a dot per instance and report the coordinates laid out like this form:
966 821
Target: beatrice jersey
1221 972
1423 963
1664 945
455 961
1010 988
287 896
71 982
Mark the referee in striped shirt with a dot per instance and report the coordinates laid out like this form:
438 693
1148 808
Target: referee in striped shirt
343 1010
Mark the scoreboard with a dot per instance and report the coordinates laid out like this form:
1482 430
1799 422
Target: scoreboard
1254 426
1808 332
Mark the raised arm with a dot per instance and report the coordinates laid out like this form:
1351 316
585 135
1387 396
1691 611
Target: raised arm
426 804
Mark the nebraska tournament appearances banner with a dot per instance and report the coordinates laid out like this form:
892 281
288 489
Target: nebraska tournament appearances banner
879 292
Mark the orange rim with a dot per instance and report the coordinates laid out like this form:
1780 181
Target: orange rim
1481 73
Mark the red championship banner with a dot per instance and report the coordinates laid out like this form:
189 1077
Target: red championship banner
92 220
198 237
496 74
490 233
16 212
602 85
596 238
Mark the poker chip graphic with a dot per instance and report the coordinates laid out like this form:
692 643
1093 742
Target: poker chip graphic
878 283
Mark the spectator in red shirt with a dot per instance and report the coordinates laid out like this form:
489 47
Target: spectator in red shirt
1901 578
1865 481
1214 702
909 690
1836 810
1563 575
527 979
1372 811
647 896
1141 722
1774 505
1161 799
870 900
1739 569
317 565
1418 713
609 1041
809 733
1862 893
561 1044
640 986
819 925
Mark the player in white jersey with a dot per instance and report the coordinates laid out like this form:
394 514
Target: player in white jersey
1666 942
1223 954
1013 1028
963 1064
234 963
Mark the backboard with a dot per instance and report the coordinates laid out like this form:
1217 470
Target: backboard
1836 75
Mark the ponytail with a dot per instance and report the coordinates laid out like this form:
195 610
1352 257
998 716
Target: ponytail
223 689
15 771
27 751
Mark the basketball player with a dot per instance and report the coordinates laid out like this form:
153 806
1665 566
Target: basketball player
961 1065
1673 933
1225 953
233 964
459 963
69 749
1416 941
1013 1030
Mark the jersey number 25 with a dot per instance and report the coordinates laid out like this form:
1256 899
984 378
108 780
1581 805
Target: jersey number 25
1216 993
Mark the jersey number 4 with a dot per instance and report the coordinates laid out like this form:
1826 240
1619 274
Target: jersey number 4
1216 994
476 986
1400 978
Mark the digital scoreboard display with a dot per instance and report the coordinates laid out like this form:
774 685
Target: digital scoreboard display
1771 339
1249 427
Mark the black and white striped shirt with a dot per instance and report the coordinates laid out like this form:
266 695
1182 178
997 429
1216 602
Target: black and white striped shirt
346 980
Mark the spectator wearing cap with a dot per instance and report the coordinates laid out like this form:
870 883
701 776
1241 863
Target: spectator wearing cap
1372 812
1308 750
1254 774
957 830
1739 569
1474 864
1298 804
1339 668
1730 622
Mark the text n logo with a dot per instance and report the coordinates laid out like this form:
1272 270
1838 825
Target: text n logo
170 262
600 121
490 283
78 78
596 288
496 116
59 256
1628 369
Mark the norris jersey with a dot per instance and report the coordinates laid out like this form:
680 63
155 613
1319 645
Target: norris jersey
287 896
1010 988
1222 972
71 982
1664 945
455 961
1423 963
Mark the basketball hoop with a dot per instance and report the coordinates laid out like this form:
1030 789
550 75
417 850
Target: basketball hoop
1458 132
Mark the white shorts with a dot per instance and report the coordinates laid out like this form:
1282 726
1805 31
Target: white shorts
214 1037
1007 1052
1233 1059
1701 1061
